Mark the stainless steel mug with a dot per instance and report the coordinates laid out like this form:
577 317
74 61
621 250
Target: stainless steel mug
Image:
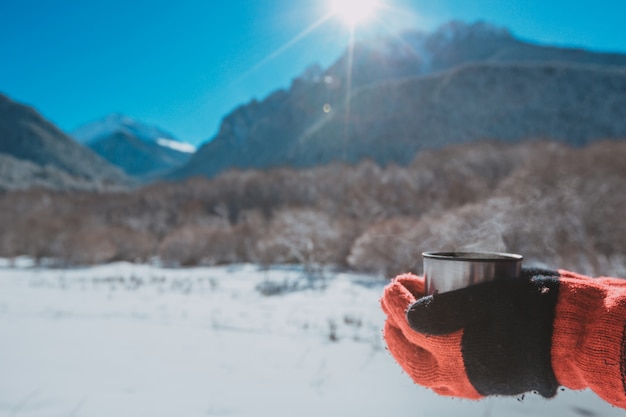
447 271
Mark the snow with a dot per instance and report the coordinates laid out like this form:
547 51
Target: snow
114 123
139 340
176 145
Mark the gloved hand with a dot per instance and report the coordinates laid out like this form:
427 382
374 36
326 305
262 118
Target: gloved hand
509 337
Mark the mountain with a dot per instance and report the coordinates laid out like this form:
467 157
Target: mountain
453 44
394 84
34 152
390 122
141 151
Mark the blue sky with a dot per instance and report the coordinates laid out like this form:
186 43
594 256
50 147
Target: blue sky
184 65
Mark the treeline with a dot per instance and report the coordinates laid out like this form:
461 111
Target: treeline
558 206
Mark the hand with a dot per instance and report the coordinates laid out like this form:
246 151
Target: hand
486 339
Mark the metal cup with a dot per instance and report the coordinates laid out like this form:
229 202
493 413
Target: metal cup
447 271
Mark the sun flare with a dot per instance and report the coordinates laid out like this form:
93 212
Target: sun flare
353 12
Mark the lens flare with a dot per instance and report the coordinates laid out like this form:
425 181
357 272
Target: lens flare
353 12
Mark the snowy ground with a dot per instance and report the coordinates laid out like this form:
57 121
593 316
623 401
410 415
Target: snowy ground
137 340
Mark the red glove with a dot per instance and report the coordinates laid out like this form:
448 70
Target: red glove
508 337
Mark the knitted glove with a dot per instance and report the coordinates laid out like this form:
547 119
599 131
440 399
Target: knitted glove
508 337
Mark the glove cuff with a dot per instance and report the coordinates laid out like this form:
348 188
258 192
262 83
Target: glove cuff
435 362
589 339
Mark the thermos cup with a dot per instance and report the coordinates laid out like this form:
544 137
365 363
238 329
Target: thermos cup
447 271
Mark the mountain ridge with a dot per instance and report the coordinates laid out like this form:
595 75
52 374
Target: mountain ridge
263 134
142 151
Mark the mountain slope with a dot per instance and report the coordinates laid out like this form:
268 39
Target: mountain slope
142 151
25 135
390 122
276 131
19 174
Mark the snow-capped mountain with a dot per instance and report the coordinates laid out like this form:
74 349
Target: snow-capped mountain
116 122
143 151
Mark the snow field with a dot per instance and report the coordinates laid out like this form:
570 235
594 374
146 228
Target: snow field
138 340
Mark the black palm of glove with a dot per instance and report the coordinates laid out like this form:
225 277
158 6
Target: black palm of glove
507 331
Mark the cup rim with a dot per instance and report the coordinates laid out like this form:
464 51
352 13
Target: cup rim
473 256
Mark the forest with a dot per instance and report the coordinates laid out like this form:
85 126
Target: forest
557 205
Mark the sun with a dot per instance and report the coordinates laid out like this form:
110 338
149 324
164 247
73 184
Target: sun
353 12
